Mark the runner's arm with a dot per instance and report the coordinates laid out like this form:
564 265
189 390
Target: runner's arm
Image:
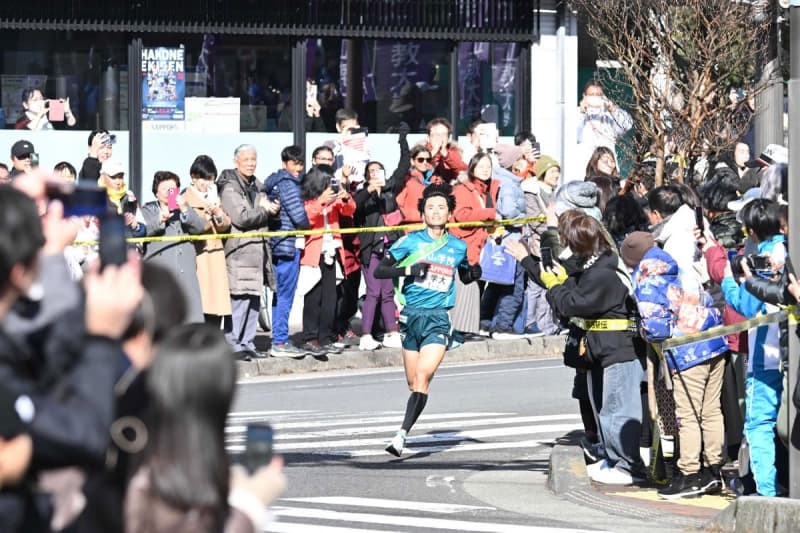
388 269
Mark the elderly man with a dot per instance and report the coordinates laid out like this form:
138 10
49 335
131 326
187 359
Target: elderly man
243 199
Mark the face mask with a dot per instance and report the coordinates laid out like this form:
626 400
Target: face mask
594 101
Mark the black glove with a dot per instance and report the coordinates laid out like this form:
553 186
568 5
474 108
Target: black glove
403 129
419 269
475 272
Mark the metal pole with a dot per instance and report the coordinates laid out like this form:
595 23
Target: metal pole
299 93
769 104
454 91
561 91
794 236
135 115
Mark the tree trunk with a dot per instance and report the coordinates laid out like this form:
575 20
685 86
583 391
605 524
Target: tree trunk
659 168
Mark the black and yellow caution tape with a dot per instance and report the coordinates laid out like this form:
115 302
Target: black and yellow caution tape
298 233
605 324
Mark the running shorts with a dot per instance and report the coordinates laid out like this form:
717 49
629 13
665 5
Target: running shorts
420 327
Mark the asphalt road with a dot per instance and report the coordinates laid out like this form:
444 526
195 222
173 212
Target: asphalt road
476 459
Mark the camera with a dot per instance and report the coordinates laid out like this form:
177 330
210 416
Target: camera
759 263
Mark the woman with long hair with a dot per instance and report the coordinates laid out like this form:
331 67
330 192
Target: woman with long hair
476 201
183 483
603 163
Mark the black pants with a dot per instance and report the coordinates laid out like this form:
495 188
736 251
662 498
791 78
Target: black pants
346 302
319 306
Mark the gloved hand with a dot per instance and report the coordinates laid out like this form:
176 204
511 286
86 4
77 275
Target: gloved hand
418 269
475 272
551 279
403 129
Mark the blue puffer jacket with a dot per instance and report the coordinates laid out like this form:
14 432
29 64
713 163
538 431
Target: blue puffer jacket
285 187
510 200
669 311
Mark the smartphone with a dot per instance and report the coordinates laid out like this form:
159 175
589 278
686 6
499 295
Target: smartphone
537 147
759 263
379 177
731 255
335 185
34 159
356 131
113 248
547 258
698 218
172 200
258 447
55 111
130 204
78 200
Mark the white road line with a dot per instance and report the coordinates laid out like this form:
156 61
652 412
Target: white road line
365 429
437 438
338 419
426 507
293 527
412 521
445 375
267 413
379 451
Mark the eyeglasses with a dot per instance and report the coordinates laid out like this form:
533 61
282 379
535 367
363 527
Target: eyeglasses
424 159
117 177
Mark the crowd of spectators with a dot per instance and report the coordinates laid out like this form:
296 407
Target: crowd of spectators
89 354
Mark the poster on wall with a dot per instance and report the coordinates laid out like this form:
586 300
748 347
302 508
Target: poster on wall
163 84
12 87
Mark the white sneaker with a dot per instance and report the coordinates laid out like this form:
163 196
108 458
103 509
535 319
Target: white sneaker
367 343
645 453
596 467
614 476
506 336
484 333
397 444
392 340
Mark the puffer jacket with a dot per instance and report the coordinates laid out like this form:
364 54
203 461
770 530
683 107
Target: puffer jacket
727 230
668 309
675 235
284 187
598 291
537 197
247 259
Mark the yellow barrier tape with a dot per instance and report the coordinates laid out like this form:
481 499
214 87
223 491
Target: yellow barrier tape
298 233
792 313
604 324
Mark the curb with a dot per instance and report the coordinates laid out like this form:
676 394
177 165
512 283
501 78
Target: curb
482 350
754 513
567 470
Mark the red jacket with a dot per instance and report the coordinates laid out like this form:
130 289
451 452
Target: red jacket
471 207
717 259
408 198
313 247
449 165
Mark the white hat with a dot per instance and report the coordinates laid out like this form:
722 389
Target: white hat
773 154
112 168
747 197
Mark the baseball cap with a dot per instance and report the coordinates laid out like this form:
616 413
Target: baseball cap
747 197
112 167
112 138
22 148
771 155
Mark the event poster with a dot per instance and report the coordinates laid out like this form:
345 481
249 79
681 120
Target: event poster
163 84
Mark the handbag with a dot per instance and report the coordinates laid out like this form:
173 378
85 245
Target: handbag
497 265
308 278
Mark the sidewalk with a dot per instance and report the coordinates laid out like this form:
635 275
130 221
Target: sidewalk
479 350
723 512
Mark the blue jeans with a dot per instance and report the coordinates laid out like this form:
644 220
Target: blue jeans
620 416
502 304
763 397
287 272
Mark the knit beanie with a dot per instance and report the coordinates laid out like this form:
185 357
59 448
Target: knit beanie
580 195
507 154
543 164
635 246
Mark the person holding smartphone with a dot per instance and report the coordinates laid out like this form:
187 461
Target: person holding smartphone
161 218
100 151
40 113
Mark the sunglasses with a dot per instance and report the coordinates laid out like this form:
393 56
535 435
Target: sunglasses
424 159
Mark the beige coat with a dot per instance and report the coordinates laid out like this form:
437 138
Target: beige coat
212 272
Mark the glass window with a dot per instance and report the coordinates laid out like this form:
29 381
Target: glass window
486 80
85 73
257 70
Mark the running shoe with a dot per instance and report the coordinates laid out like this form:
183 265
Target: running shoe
313 348
367 343
711 479
682 486
392 340
506 336
349 338
286 349
614 476
398 443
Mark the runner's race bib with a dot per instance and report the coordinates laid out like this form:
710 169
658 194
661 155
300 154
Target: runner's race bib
438 278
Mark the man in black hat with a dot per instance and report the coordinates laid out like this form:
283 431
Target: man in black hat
23 158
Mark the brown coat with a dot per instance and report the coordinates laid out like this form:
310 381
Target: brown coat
212 271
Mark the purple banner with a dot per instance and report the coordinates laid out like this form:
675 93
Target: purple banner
504 71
